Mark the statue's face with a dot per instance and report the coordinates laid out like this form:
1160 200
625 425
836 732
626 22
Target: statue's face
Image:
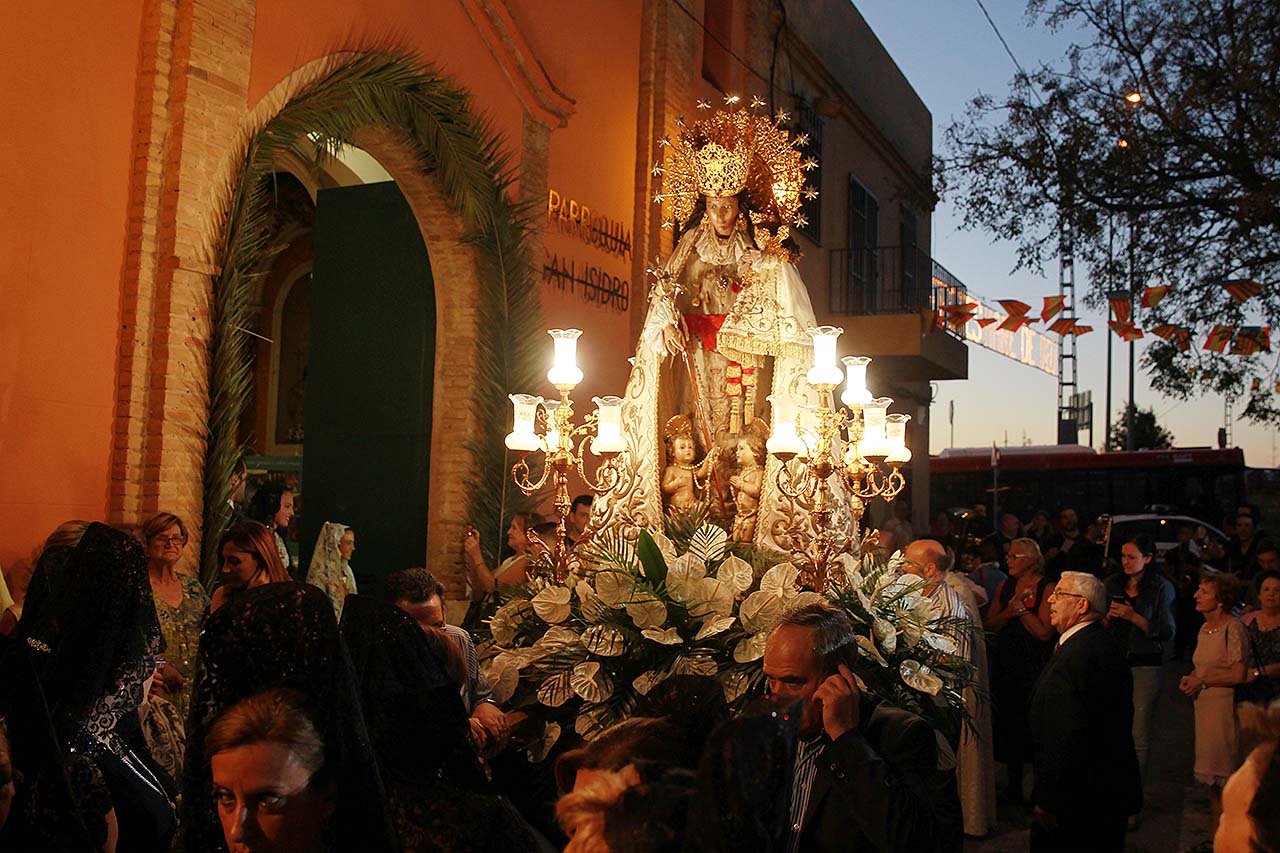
746 456
683 450
722 211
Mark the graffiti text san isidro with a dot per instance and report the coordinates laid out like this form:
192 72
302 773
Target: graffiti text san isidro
576 219
598 286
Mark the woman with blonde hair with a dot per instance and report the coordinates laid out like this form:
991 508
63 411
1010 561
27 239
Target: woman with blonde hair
181 604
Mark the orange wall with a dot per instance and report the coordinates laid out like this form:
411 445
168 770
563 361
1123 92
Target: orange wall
67 92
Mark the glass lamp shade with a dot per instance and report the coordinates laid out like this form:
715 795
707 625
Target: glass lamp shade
824 370
783 439
855 389
896 434
608 425
874 443
522 436
564 367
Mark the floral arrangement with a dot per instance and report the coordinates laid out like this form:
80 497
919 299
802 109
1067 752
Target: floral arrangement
583 653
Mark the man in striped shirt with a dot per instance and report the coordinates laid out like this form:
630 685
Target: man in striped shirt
865 774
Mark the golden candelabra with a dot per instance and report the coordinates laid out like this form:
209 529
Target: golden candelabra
547 426
810 437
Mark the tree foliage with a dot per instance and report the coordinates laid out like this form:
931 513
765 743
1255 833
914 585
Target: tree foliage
1190 199
1147 432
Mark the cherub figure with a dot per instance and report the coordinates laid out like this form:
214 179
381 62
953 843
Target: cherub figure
749 481
680 486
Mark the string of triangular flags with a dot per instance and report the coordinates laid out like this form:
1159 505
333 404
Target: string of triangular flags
1245 340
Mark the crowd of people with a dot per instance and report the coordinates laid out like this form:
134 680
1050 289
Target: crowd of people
140 713
1032 584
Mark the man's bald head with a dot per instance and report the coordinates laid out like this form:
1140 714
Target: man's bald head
926 558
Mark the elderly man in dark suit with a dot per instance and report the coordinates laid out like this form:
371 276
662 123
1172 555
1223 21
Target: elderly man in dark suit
1087 780
866 775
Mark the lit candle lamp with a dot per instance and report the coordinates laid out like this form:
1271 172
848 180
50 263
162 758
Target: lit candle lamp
855 389
551 442
564 368
874 444
608 425
522 436
824 370
783 441
896 434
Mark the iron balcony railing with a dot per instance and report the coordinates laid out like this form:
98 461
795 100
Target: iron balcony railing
890 280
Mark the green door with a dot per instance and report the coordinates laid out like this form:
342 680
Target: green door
368 405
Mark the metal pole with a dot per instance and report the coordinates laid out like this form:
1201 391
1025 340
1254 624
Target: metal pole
1130 442
1111 237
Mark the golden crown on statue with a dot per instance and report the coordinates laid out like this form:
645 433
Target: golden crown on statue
734 150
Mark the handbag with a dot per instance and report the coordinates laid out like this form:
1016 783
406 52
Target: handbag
1260 691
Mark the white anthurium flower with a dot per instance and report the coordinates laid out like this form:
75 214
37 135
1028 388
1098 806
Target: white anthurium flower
615 587
760 611
503 679
921 607
734 685
780 581
910 630
852 575
556 636
863 599
590 721
920 677
646 610
683 575
604 640
556 690
941 642
666 636
552 604
751 648
709 543
665 546
589 680
507 620
713 625
712 597
646 681
538 750
886 633
694 665
736 572
868 646
589 603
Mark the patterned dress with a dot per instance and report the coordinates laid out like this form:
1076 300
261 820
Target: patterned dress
181 628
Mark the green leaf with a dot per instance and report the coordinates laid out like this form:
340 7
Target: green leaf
655 568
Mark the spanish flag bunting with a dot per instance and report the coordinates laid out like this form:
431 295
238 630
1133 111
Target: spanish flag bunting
1252 339
983 322
1062 326
1014 308
939 321
1165 330
1052 306
961 308
1127 331
957 321
1121 305
1183 339
1242 289
1013 323
1079 330
1152 295
1218 338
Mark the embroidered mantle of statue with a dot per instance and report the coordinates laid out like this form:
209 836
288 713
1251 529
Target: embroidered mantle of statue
726 329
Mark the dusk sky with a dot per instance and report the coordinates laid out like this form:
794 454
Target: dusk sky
949 53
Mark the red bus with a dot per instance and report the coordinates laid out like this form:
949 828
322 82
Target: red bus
1199 482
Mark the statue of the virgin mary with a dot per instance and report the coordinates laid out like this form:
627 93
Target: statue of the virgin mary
726 332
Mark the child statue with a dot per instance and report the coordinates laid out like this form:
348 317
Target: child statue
680 486
749 481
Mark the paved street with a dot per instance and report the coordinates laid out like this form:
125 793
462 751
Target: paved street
1176 817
